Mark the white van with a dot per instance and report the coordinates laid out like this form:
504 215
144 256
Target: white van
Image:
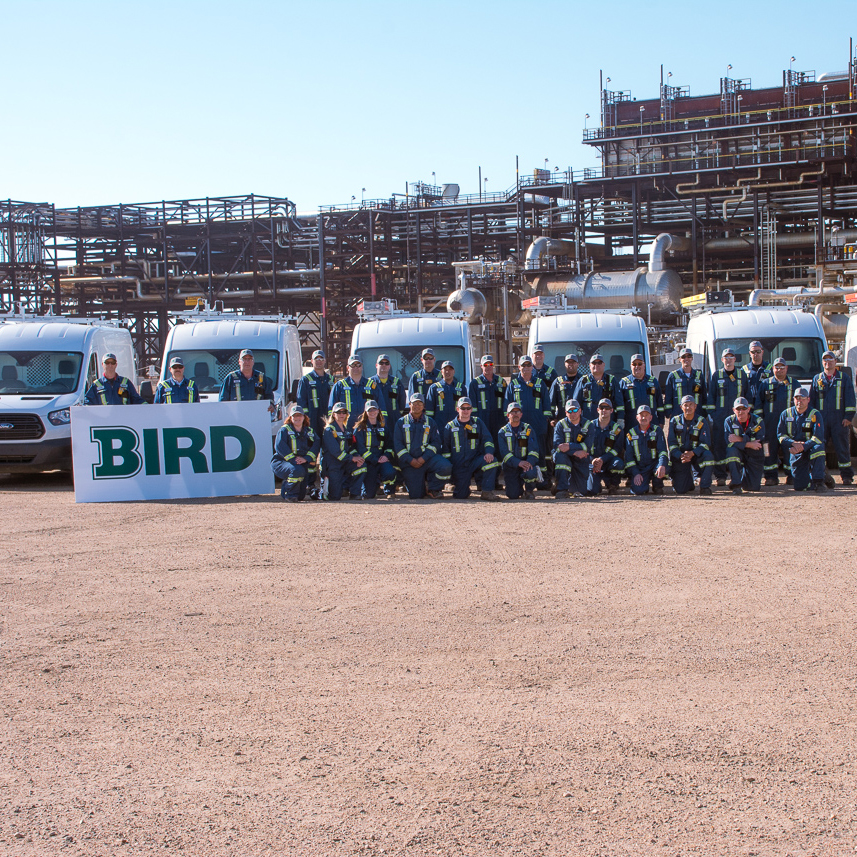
47 363
788 332
615 334
209 343
385 330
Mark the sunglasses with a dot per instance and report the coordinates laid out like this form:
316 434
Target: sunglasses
604 408
574 410
465 408
113 363
383 362
741 408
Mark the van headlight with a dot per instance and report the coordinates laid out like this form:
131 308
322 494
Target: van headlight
60 418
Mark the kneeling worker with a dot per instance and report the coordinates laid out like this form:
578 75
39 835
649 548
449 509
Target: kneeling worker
801 436
417 444
468 446
646 454
571 452
689 444
518 447
745 457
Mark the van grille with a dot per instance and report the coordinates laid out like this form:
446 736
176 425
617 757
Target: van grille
20 427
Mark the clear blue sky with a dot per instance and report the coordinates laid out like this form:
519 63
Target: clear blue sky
126 101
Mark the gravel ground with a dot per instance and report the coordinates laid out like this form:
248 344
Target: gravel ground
663 676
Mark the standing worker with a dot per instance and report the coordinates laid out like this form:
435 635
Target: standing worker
244 385
111 388
832 394
775 396
469 447
686 381
352 391
531 396
176 389
541 369
313 392
756 370
563 388
487 393
390 393
443 396
640 388
594 387
423 378
726 385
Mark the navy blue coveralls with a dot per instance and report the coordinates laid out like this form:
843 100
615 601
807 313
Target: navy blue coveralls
689 436
808 428
237 388
746 466
487 398
353 394
547 373
772 399
337 464
421 381
561 391
590 392
608 444
754 375
119 391
465 446
834 399
680 385
532 396
420 438
634 392
313 395
515 445
392 398
289 445
371 443
572 473
172 392
721 393
441 401
644 453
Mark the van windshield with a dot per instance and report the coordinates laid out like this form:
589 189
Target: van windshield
405 360
24 373
617 355
207 369
803 355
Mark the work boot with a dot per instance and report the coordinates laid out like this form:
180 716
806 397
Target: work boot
705 492
790 480
829 481
612 490
657 489
720 481
529 493
561 495
771 480
488 495
819 486
847 479
736 489
434 495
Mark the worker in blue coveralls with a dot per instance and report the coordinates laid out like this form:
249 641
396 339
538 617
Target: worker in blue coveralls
245 384
469 448
341 464
801 435
487 393
606 443
594 387
726 385
390 393
541 369
370 441
745 456
531 394
352 391
563 388
443 395
646 454
110 388
755 370
775 396
518 449
689 447
640 388
571 452
313 393
423 378
176 389
417 444
686 381
832 394
295 455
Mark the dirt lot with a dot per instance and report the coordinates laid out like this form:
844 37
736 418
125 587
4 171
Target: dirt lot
613 677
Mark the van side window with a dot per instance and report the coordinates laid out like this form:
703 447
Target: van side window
92 371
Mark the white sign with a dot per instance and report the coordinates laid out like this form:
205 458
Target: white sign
167 452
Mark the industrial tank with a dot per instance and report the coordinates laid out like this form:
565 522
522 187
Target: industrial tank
654 294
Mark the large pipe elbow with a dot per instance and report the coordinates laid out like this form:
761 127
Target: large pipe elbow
659 247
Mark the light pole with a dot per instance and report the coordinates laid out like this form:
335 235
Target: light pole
728 69
362 195
434 179
824 96
642 111
585 121
485 180
740 99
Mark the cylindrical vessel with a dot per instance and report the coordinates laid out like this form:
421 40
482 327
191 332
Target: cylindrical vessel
639 290
469 301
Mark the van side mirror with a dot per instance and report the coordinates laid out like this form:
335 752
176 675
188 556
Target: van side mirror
147 392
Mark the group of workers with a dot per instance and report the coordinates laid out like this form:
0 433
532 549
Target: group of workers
575 434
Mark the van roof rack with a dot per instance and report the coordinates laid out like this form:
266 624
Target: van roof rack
203 311
18 315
